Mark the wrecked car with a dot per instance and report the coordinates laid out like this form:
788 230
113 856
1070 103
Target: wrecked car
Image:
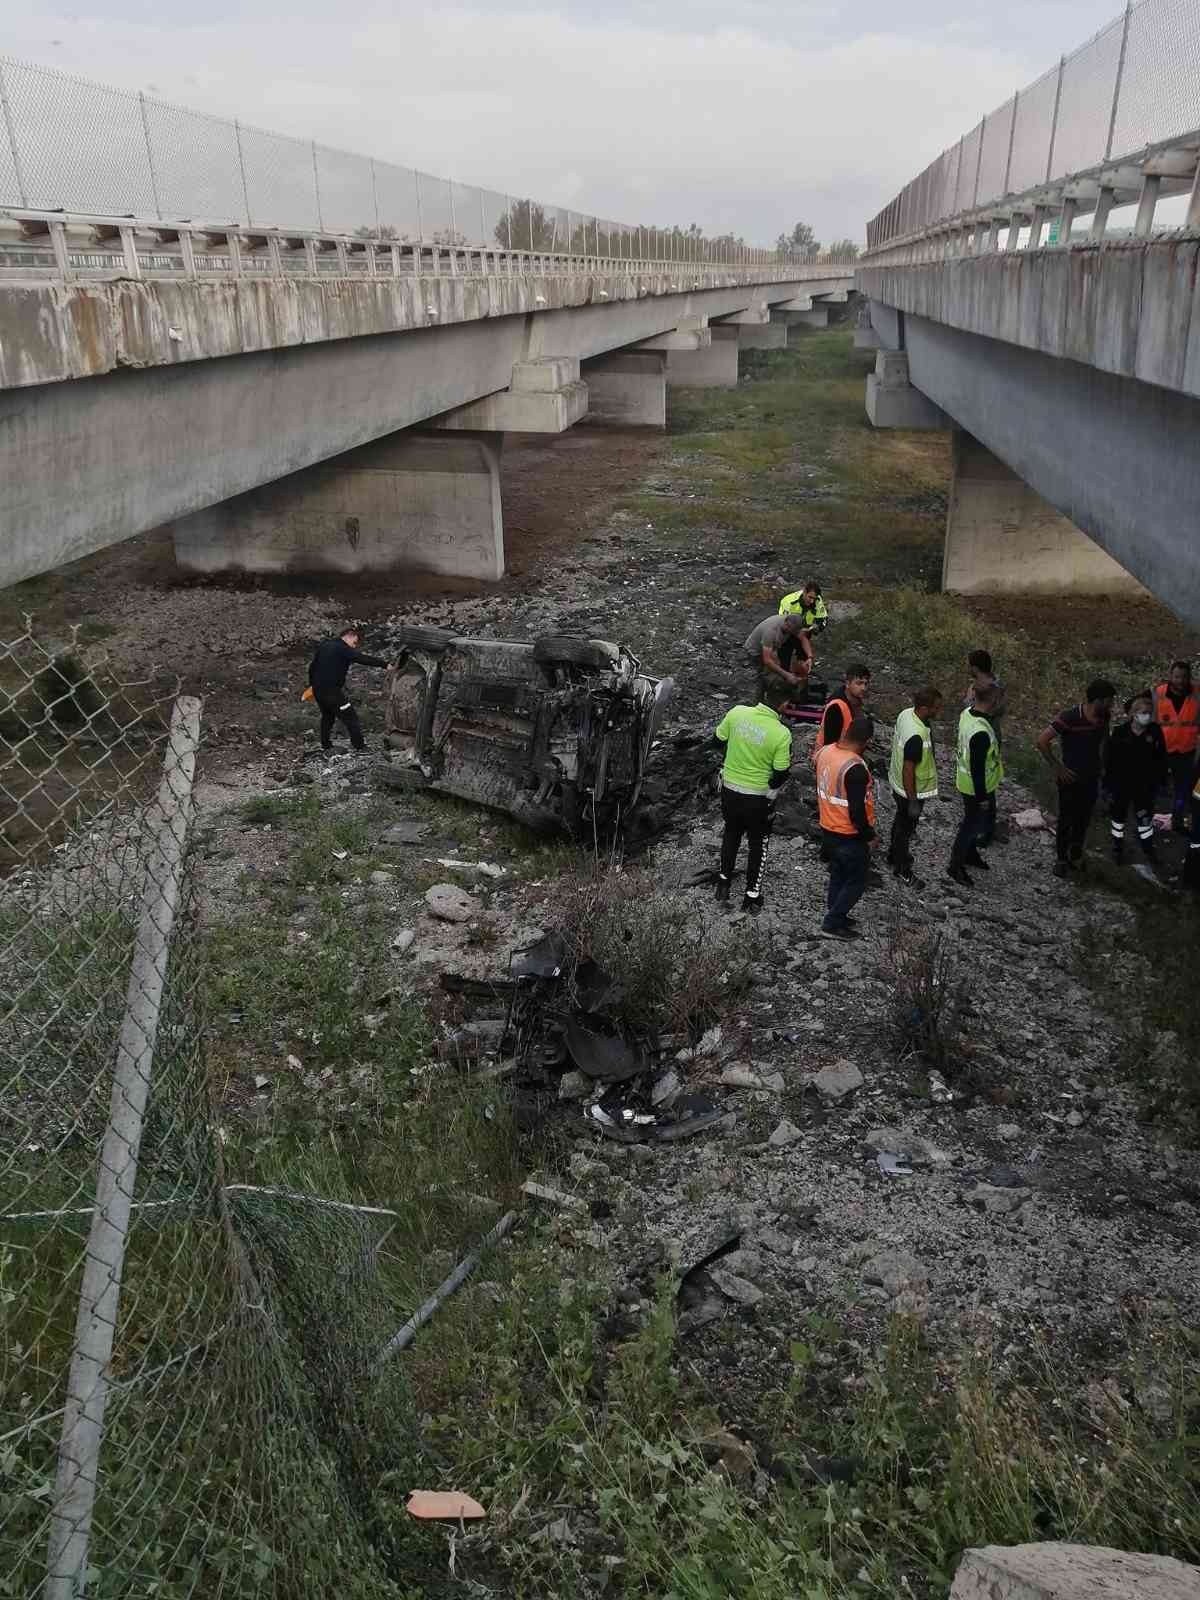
556 731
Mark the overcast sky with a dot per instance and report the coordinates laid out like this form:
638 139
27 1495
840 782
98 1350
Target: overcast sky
747 116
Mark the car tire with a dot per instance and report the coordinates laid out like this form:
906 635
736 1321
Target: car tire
560 649
413 638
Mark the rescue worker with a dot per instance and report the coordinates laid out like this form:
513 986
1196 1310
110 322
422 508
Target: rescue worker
913 777
807 604
1177 712
1081 731
847 704
978 771
1135 767
327 679
846 805
778 648
758 761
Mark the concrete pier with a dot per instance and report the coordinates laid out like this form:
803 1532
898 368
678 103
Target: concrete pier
767 336
713 368
1003 538
892 402
429 502
628 389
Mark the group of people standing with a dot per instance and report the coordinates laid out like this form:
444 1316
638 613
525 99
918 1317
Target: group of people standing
1155 746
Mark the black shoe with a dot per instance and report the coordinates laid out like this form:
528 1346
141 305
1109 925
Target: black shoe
752 904
845 934
976 860
723 887
1061 869
910 878
959 875
1118 855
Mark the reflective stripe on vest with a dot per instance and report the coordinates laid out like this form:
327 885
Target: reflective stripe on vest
833 807
909 726
1179 728
792 605
847 719
969 724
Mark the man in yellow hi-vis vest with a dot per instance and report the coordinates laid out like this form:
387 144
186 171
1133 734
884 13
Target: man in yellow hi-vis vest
913 778
978 775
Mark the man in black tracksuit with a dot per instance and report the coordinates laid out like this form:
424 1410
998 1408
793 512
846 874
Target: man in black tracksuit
327 678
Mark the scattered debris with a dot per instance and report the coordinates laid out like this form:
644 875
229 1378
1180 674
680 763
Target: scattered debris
443 1505
403 941
744 1078
740 1290
786 1133
836 1082
940 1091
404 833
1029 820
485 868
733 1456
402 1339
997 1201
895 1271
552 1197
892 1166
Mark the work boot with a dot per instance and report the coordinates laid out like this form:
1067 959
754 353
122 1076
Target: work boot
722 894
845 934
752 904
1061 869
909 877
959 875
974 859
1118 855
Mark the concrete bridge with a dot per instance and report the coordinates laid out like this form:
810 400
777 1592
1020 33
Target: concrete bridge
320 377
1066 359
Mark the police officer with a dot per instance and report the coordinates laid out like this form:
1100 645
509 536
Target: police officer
913 777
806 603
979 771
758 761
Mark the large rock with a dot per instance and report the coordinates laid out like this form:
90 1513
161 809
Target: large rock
995 1201
895 1271
450 903
836 1082
1071 1572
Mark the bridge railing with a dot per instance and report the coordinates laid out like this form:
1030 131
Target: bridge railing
1122 109
67 144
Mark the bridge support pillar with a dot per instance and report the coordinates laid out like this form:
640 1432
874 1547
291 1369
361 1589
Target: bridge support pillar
425 501
818 317
1003 538
629 388
765 335
892 402
713 367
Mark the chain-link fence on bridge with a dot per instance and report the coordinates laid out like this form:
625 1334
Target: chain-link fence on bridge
1135 84
191 1401
72 145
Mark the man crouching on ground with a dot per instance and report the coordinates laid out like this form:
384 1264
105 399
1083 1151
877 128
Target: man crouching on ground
846 802
758 761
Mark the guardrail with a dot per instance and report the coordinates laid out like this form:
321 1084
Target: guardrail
41 243
1116 121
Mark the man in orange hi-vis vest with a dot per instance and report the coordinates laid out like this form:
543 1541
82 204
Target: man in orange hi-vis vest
846 804
1177 712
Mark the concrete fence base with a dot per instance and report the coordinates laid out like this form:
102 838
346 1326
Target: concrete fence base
1071 1572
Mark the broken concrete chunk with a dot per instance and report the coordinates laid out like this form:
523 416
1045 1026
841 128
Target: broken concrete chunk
744 1078
666 1089
1058 1571
582 1168
1029 820
987 1197
786 1133
574 1086
403 941
450 903
836 1082
895 1271
552 1197
404 833
381 879
908 1146
739 1290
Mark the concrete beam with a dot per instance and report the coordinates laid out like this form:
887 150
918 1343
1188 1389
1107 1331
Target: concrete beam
413 501
628 389
713 368
544 397
754 316
1003 538
892 402
679 339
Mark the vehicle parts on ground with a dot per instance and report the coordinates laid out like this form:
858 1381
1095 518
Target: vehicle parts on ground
556 732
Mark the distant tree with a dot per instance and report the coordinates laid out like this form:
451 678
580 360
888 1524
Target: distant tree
384 231
799 245
846 249
525 226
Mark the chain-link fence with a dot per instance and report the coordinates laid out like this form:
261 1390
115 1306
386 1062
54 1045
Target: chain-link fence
1135 84
67 144
191 1396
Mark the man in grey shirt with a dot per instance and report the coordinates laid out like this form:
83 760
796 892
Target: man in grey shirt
779 648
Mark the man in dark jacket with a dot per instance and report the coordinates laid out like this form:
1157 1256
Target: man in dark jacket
327 678
1081 732
1135 766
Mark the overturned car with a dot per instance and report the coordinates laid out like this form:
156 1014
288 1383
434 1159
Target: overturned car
556 731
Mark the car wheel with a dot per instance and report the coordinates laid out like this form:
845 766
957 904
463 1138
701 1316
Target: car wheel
413 638
554 649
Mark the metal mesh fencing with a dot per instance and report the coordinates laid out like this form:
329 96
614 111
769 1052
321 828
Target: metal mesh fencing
191 1400
1135 83
70 145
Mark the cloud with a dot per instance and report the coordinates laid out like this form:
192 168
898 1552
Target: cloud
635 121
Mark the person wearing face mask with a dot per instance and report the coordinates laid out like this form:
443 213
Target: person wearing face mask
1135 765
1177 712
1081 731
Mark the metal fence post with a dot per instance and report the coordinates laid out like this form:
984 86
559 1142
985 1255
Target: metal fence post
149 155
375 195
317 188
453 228
116 1176
508 222
18 171
1012 130
483 238
1112 121
237 134
1062 67
420 219
529 207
